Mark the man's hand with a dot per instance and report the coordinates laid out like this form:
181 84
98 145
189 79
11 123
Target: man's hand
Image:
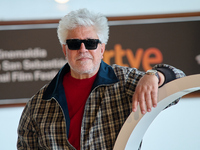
146 93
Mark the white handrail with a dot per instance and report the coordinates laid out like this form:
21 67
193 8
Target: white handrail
136 125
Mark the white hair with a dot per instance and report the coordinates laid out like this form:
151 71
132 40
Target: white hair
83 17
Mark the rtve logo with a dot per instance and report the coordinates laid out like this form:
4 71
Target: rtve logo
147 57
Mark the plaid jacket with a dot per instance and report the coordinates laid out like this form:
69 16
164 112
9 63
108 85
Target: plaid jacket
44 123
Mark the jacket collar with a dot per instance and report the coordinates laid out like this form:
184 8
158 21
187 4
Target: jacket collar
106 75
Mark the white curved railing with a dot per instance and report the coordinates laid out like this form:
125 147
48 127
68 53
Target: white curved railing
137 124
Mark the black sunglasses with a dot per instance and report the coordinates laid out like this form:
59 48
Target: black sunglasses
75 44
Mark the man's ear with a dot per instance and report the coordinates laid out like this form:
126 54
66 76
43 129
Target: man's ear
64 49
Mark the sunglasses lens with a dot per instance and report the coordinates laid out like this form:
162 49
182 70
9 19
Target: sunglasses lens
91 44
75 44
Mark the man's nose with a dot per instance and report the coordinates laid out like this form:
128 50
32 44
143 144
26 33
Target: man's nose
83 48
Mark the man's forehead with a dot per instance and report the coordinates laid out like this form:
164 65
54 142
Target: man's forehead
82 33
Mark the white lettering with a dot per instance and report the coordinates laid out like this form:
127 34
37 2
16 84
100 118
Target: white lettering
10 66
21 76
27 53
44 76
44 64
5 77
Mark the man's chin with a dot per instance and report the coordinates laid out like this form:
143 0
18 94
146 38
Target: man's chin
85 71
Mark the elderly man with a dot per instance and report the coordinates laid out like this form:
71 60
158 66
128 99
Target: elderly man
86 104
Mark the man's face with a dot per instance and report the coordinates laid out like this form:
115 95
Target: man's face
83 63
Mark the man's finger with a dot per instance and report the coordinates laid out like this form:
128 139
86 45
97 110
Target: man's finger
154 95
148 101
134 103
142 103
